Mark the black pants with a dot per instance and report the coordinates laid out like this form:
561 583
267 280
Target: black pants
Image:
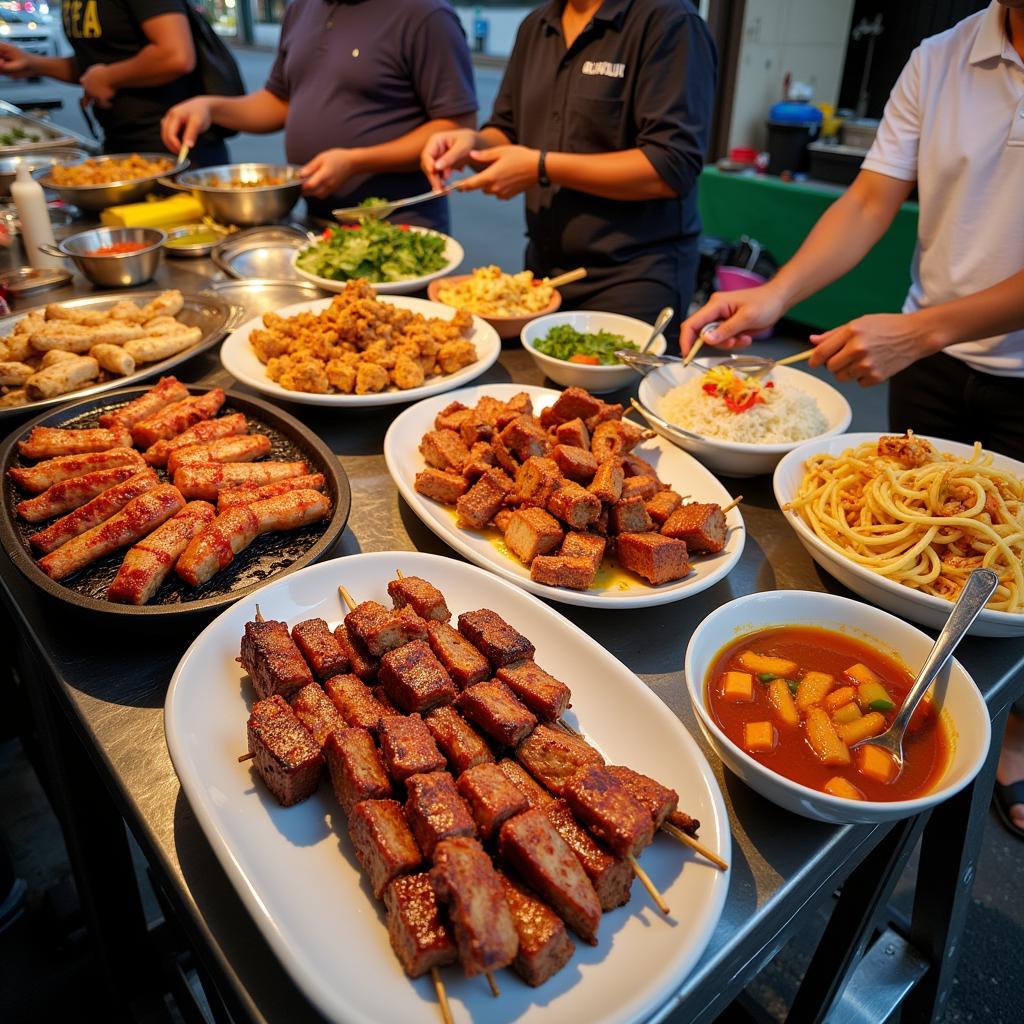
944 397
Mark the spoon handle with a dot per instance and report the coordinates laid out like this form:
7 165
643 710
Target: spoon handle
979 588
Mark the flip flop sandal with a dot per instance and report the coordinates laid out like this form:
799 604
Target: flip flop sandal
1004 797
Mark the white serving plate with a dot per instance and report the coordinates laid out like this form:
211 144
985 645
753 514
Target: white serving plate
295 870
454 254
955 694
239 359
894 597
731 457
675 467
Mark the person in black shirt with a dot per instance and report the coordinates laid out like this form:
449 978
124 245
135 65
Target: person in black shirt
133 59
602 120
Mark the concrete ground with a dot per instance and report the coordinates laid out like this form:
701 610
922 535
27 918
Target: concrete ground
50 960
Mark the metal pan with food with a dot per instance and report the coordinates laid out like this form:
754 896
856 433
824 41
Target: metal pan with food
97 182
246 195
166 500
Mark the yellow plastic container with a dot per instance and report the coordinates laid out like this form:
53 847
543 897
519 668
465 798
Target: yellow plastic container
161 213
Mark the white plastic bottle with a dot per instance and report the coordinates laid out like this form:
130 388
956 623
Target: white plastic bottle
36 227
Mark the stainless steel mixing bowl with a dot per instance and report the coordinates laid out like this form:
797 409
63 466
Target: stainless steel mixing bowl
117 270
37 162
228 202
99 197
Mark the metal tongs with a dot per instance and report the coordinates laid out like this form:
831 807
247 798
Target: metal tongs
382 210
751 366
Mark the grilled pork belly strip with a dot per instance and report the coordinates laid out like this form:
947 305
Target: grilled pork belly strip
42 475
48 442
166 391
70 494
202 433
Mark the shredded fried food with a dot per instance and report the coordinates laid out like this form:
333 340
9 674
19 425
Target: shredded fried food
105 171
361 345
489 291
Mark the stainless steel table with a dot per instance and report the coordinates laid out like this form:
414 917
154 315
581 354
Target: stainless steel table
97 707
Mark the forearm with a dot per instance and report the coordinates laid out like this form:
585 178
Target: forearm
259 112
626 175
403 153
151 66
843 236
63 69
996 310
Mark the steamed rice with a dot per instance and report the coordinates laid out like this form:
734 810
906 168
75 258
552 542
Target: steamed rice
788 415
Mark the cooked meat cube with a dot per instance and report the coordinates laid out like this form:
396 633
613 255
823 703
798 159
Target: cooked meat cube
383 842
451 416
536 481
609 810
611 877
320 648
584 545
444 449
575 463
659 800
633 465
683 821
630 516
272 660
536 795
479 504
356 770
491 797
424 598
465 880
571 404
656 558
544 944
614 437
381 629
285 754
435 810
316 712
530 843
531 532
460 743
552 756
489 409
385 701
480 459
501 519
701 526
574 505
499 643
462 661
414 679
546 696
662 505
525 436
420 937
408 747
504 457
364 664
474 429
562 571
573 433
600 524
640 487
518 405
605 411
441 486
493 708
355 702
607 482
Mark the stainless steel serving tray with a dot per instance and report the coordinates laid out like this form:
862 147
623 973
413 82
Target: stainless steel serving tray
267 558
264 253
215 316
258 295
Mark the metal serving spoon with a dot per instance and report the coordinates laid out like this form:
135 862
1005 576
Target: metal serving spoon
979 588
381 210
644 361
659 325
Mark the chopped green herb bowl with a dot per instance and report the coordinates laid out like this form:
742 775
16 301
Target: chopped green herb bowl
596 379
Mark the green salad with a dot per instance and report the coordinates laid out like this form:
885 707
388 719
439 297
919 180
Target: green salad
372 201
16 135
373 249
598 349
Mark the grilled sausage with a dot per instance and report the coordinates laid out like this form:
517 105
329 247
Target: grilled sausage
153 347
70 494
246 448
149 563
206 481
113 359
49 442
166 391
62 377
202 433
45 474
173 419
246 495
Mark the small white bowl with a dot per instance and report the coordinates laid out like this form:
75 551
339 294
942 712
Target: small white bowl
962 706
731 457
596 379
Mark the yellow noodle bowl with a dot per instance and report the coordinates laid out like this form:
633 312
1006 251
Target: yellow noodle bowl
919 517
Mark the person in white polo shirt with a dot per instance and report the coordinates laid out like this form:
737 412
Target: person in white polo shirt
954 126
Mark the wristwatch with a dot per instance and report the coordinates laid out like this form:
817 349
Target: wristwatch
542 172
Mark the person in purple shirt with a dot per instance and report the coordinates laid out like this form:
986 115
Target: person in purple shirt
358 86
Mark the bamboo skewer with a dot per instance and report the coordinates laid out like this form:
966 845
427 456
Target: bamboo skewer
442 996
648 884
495 991
796 358
732 504
688 840
567 278
248 757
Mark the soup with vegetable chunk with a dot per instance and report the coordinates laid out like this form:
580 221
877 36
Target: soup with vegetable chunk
796 698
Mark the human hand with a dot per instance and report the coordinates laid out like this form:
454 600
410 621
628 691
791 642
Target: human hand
509 171
872 348
327 172
446 152
15 63
97 85
185 122
741 315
